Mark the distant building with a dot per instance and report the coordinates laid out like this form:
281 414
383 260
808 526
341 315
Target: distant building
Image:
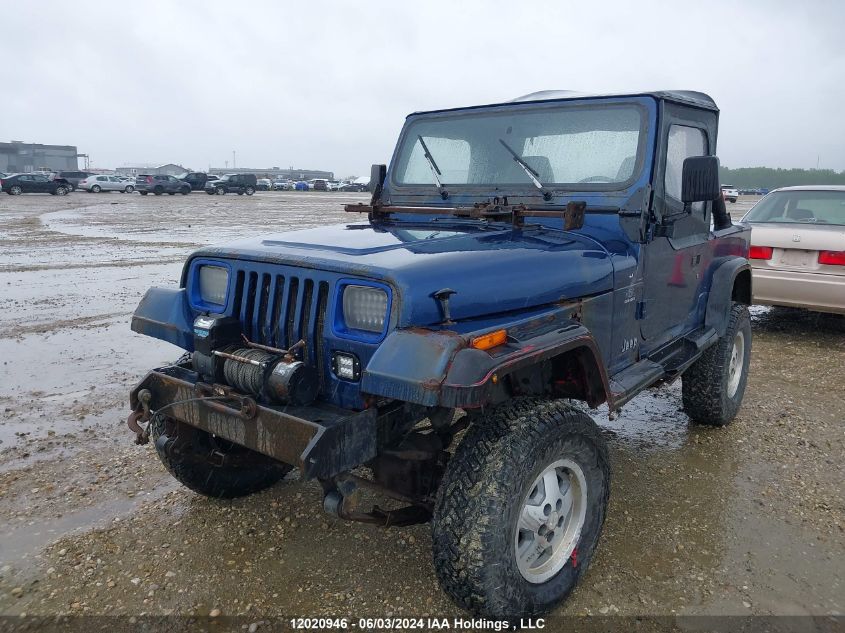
20 157
273 172
169 169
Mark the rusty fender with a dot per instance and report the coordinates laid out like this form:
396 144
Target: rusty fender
439 368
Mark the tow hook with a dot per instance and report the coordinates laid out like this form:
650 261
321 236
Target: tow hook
139 415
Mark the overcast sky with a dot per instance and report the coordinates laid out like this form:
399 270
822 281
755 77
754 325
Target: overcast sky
326 85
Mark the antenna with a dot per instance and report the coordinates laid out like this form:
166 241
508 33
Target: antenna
234 164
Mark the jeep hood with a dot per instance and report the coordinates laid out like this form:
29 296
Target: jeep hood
491 269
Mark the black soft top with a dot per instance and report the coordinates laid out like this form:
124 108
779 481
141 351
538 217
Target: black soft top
686 97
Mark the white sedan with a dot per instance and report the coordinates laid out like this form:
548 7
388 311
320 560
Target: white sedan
798 248
96 184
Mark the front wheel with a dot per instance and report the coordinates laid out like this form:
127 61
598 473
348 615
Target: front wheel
520 509
713 386
220 191
61 191
249 191
196 468
129 189
185 191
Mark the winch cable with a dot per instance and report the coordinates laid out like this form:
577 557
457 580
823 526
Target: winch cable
185 401
245 376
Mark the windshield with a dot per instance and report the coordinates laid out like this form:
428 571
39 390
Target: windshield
804 207
564 145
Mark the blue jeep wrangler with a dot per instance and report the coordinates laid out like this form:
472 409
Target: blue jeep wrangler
514 259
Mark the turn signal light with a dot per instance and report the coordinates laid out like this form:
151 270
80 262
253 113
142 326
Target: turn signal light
760 252
832 258
490 340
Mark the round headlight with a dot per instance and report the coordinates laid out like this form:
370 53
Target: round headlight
364 308
213 282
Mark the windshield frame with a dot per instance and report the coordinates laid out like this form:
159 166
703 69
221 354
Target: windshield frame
526 189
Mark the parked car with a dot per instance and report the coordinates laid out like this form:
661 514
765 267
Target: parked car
233 183
332 348
318 184
354 186
73 177
301 185
98 183
263 184
196 179
16 184
798 248
283 185
730 193
159 184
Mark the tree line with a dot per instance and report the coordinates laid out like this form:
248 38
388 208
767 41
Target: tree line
769 178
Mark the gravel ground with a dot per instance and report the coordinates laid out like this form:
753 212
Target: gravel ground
743 520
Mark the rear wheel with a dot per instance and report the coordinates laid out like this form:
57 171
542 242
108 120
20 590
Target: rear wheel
196 469
714 385
185 191
129 189
220 191
95 189
61 191
15 190
520 509
249 191
143 193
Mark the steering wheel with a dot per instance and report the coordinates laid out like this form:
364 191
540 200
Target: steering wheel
597 179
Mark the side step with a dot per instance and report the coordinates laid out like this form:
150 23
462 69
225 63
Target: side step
629 382
665 364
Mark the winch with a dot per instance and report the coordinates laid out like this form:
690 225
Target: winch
271 374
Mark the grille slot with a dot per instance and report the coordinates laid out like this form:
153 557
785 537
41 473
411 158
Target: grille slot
322 303
307 293
290 313
275 323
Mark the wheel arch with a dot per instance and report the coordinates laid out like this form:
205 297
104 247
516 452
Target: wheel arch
441 368
731 282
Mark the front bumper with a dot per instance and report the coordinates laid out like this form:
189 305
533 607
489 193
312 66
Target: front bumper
321 440
797 289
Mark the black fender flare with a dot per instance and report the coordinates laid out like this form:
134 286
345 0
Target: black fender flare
441 368
471 383
731 282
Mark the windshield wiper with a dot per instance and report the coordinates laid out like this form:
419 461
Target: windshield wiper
435 170
532 173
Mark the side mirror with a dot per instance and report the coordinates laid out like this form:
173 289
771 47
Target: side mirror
377 175
700 179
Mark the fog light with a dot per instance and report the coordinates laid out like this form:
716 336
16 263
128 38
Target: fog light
346 366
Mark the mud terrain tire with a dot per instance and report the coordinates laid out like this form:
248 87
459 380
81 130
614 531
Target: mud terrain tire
220 482
712 392
495 471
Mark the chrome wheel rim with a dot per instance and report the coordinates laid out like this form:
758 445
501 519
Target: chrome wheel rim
16 191
736 363
550 521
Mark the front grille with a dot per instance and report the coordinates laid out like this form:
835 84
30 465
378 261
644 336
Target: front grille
280 310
